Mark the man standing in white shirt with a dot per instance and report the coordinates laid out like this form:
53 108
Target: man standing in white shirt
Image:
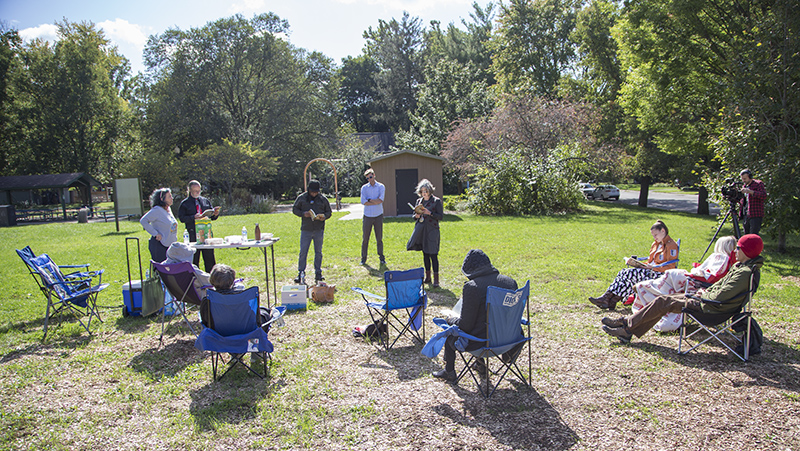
372 195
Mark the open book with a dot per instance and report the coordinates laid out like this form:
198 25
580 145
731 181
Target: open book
212 212
632 262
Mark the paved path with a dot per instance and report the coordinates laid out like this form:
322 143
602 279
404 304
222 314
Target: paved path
665 201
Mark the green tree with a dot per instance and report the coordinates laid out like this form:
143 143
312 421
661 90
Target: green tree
358 94
9 47
228 166
532 45
451 92
708 78
67 112
466 47
397 49
234 79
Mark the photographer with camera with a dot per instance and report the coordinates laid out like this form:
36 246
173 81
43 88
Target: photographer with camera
752 202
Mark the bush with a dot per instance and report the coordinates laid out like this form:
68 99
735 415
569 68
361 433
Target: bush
514 185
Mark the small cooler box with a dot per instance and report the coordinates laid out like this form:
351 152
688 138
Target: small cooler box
132 297
293 297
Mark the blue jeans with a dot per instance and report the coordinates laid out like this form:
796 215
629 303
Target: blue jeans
305 242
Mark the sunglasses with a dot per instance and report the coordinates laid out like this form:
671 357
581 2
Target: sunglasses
370 177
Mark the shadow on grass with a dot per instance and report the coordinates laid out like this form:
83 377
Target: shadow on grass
232 400
54 346
518 417
167 361
773 367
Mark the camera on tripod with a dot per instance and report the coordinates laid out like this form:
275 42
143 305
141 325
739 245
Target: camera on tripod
731 191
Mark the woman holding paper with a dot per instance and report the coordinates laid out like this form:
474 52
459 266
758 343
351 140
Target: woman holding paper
663 256
195 207
429 211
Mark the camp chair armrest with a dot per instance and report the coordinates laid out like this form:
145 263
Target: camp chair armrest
280 310
441 322
85 265
367 293
705 301
68 282
665 263
524 321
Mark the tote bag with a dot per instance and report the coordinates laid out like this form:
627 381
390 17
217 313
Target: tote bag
152 293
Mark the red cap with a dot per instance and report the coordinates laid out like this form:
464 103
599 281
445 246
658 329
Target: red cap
751 244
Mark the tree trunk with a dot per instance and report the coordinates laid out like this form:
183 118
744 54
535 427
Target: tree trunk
702 201
644 190
782 242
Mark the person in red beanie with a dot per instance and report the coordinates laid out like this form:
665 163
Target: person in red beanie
726 291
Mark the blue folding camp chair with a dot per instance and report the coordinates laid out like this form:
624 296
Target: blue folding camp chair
26 253
64 295
179 279
405 294
722 324
233 325
504 333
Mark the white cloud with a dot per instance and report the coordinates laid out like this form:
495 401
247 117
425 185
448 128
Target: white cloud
121 32
46 32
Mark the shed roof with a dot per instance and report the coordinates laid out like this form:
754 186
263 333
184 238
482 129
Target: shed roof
46 181
410 152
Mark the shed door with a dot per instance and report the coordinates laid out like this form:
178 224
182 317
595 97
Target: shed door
405 180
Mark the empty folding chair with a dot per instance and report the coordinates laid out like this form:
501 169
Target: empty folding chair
718 326
403 308
75 295
82 271
508 331
235 324
179 279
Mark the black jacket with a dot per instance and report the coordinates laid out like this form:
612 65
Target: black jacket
478 268
188 209
319 204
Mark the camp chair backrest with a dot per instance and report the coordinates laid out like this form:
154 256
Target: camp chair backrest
179 279
52 276
504 309
403 288
234 314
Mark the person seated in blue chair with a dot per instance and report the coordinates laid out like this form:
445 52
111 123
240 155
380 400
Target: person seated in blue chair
223 279
726 290
481 274
180 252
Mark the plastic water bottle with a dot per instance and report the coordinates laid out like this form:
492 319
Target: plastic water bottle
244 234
185 237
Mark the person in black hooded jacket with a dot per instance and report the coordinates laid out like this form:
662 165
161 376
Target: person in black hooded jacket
481 274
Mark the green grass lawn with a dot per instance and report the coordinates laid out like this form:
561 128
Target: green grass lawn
120 390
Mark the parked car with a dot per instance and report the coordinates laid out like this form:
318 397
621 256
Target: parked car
587 189
604 192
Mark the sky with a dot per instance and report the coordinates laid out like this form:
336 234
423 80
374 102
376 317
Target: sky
333 27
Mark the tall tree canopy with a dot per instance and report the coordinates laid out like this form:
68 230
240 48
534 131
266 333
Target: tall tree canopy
532 45
397 49
720 82
235 79
64 111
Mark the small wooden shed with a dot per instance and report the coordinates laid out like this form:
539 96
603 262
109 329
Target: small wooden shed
400 171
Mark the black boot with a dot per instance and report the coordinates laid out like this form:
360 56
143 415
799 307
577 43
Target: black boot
427 277
603 300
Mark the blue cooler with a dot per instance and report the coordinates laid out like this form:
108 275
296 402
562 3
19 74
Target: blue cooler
132 297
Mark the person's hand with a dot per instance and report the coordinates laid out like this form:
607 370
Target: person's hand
747 191
320 217
307 214
198 215
416 216
425 211
158 237
452 320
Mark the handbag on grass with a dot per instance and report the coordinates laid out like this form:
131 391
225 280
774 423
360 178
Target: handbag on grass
152 293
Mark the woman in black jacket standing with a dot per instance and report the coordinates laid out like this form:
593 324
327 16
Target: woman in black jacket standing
430 213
